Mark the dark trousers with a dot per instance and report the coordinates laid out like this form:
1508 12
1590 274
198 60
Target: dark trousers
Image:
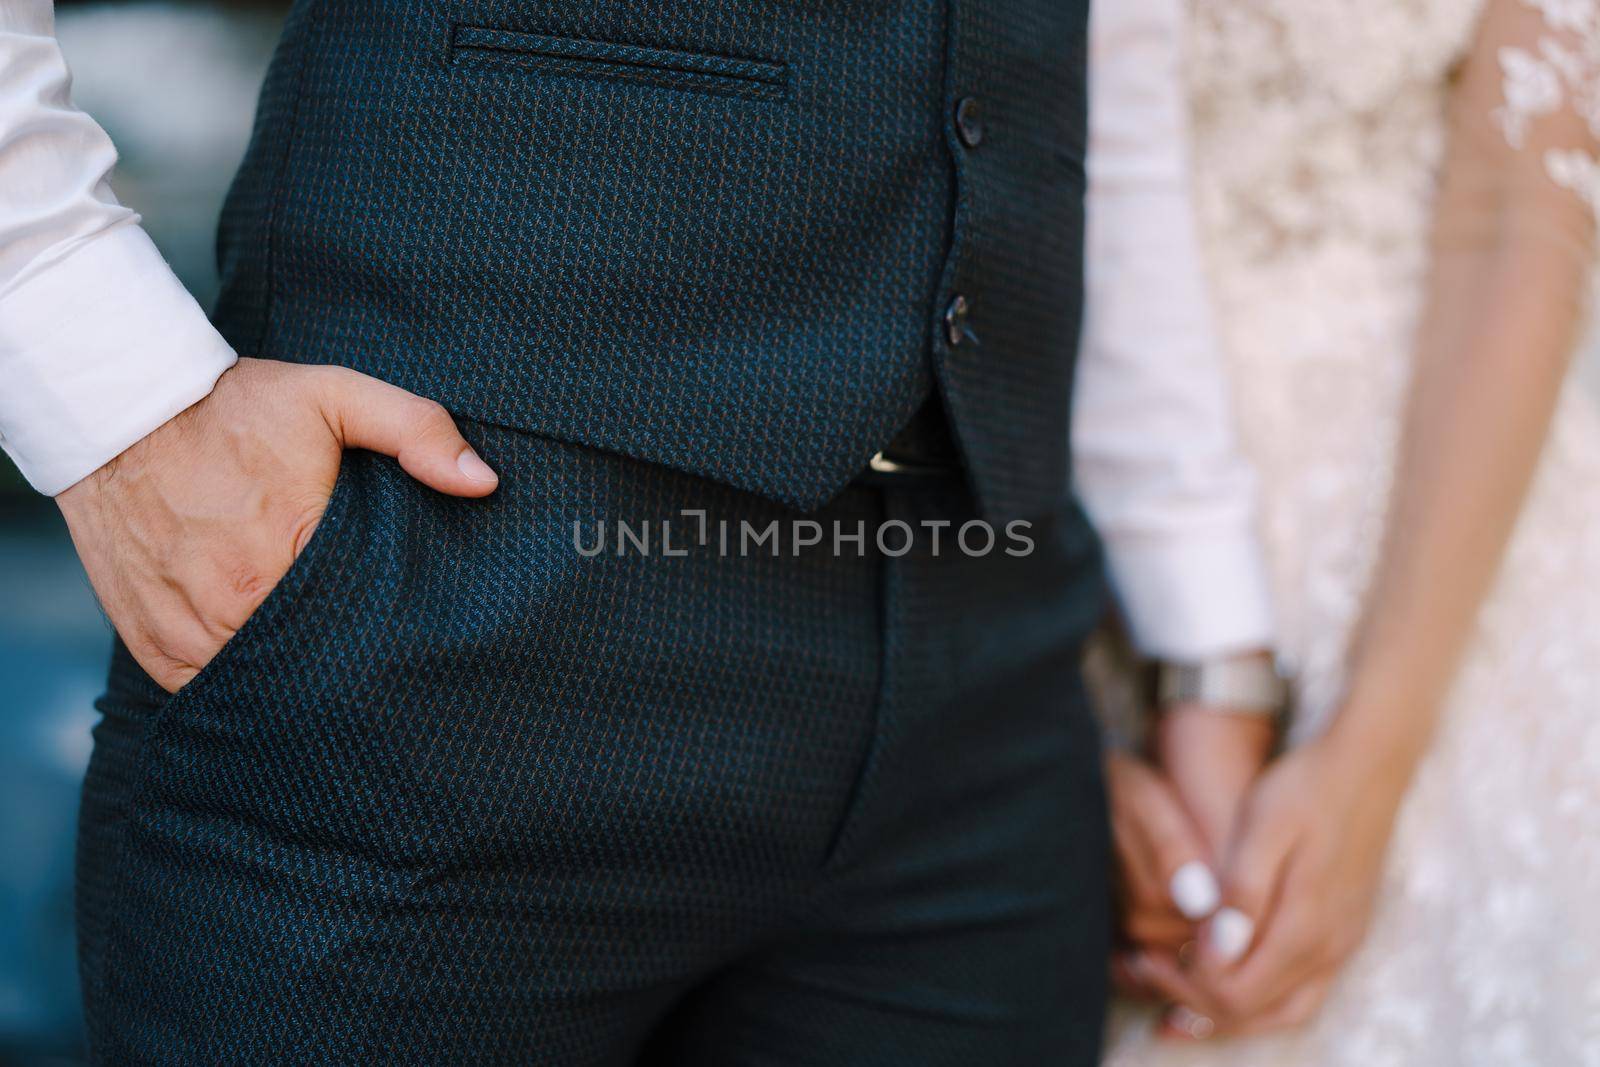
460 793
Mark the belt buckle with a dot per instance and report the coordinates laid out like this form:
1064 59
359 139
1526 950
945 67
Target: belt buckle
886 466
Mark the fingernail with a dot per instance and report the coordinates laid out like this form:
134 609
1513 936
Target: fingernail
1191 1023
1231 933
475 468
1194 890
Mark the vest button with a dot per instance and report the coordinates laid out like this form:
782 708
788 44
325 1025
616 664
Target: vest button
956 328
969 121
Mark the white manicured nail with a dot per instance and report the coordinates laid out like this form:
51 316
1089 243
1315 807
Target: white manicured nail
1231 933
1194 890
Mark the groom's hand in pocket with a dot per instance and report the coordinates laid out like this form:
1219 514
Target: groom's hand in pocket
185 533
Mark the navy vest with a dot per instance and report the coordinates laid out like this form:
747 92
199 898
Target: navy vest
747 240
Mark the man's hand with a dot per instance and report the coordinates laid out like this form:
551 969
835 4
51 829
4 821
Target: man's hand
1212 758
186 532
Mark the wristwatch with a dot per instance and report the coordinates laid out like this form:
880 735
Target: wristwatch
1245 685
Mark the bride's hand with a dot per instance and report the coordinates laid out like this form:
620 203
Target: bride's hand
1162 864
1303 871
1171 816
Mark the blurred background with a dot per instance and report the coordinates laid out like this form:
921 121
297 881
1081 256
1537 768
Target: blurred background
175 84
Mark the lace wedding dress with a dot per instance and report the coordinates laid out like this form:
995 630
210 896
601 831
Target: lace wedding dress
1320 130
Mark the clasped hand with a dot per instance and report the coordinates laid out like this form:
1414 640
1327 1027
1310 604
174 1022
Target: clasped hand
1243 890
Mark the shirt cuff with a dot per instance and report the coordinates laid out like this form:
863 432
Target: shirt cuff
98 349
1194 598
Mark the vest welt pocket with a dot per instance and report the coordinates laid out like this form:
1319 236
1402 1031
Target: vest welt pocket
583 58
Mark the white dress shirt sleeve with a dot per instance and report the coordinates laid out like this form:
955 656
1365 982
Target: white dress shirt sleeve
99 342
1157 460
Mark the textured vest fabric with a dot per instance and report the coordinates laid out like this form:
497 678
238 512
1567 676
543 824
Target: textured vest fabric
718 236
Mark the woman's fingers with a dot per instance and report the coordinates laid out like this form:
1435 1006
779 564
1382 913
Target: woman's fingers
1180 1022
1288 953
1301 1005
1228 936
1177 853
1256 944
1281 985
1285 959
1293 1012
1191 885
1298 885
1165 848
1159 860
1277 977
1166 979
1257 865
